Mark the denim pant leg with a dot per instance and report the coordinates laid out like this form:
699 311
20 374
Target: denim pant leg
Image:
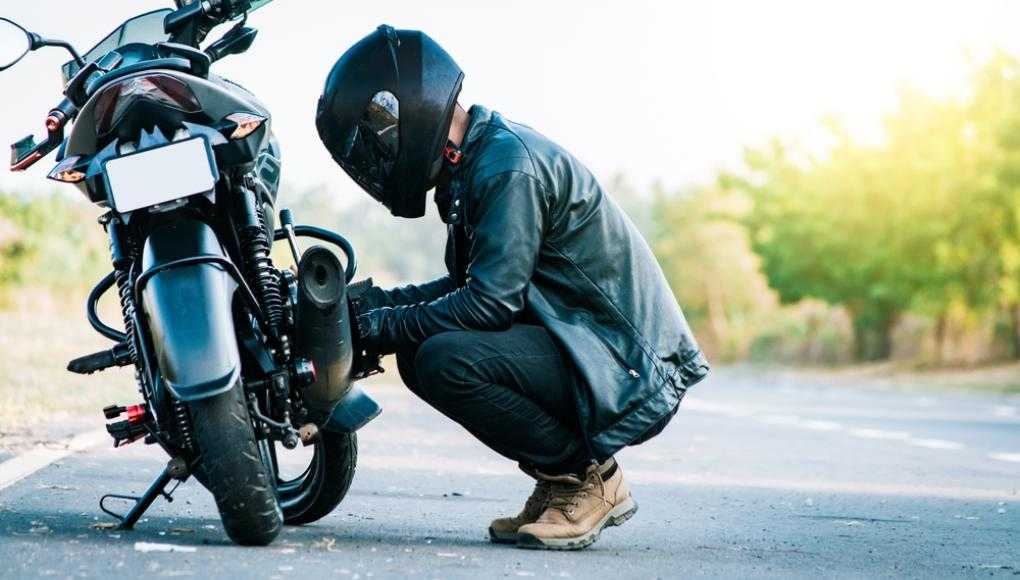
513 390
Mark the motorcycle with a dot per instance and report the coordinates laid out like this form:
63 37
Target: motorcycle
237 361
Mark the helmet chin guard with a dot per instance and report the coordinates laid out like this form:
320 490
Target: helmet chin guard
385 115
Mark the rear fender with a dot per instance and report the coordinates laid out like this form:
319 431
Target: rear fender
187 310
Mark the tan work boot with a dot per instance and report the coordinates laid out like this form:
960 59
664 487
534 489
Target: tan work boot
504 530
579 509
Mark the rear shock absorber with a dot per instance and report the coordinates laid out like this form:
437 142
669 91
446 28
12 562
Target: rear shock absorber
183 421
121 256
127 308
255 244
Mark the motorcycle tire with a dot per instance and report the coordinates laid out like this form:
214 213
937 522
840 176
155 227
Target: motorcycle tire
325 483
233 471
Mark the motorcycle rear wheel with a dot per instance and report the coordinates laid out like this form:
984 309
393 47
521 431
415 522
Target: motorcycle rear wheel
233 471
323 484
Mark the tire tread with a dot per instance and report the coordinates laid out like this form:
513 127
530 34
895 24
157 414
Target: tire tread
233 471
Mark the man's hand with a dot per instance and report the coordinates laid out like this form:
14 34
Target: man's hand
366 358
360 300
364 295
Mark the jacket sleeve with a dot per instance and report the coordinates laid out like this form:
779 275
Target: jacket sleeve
403 295
508 214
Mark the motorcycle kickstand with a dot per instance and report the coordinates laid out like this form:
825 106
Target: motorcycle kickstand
142 503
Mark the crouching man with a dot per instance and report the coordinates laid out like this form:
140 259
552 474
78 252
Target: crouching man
554 338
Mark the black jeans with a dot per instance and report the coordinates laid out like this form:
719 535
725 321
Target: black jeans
513 390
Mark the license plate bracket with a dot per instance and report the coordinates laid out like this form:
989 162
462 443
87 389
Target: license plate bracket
160 174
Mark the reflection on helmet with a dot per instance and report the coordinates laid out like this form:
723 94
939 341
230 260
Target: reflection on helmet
383 117
371 147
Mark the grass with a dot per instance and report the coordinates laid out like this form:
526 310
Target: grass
39 398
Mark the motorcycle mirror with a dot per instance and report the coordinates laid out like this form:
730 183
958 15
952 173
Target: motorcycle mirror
15 42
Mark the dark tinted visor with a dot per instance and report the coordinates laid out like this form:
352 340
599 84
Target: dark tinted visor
370 148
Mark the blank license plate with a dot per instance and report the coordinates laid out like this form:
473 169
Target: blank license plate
160 175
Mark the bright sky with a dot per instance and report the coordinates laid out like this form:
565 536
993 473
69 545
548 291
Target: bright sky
665 91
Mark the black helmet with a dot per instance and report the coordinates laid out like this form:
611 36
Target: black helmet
385 115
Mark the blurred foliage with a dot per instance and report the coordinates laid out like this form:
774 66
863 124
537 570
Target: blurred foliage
924 222
704 253
49 241
391 250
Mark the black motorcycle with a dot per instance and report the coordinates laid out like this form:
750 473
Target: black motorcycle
237 361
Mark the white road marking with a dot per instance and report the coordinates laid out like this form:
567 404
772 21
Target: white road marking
1004 411
787 420
795 421
716 408
935 444
20 467
1011 457
818 486
880 434
815 425
669 476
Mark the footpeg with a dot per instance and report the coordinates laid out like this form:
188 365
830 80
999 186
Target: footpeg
118 356
124 432
128 430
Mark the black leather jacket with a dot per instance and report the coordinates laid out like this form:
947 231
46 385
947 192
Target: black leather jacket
533 235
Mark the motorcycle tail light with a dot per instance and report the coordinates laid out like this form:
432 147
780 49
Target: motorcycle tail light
245 124
66 172
157 88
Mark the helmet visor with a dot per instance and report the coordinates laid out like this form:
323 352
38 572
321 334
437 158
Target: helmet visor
371 147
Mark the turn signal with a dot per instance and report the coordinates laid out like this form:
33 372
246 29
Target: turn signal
246 124
66 172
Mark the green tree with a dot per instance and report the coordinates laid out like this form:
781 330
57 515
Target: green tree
706 257
49 241
994 108
842 229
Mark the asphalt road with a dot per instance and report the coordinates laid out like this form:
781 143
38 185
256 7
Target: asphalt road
757 476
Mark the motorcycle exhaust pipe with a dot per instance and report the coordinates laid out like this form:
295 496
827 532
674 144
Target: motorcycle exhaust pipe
323 330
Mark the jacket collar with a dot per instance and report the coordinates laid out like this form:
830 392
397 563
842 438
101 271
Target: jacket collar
478 120
451 200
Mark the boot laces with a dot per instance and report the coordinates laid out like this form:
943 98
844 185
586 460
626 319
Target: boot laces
538 497
566 497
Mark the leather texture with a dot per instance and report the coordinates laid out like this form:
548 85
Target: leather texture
505 529
578 509
533 237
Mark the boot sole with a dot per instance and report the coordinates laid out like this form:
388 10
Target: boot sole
616 517
504 538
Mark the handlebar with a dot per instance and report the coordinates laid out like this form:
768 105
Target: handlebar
214 11
26 152
59 115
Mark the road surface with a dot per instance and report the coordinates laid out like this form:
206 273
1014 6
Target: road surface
758 475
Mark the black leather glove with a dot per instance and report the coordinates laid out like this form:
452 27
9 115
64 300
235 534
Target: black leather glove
366 295
359 299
